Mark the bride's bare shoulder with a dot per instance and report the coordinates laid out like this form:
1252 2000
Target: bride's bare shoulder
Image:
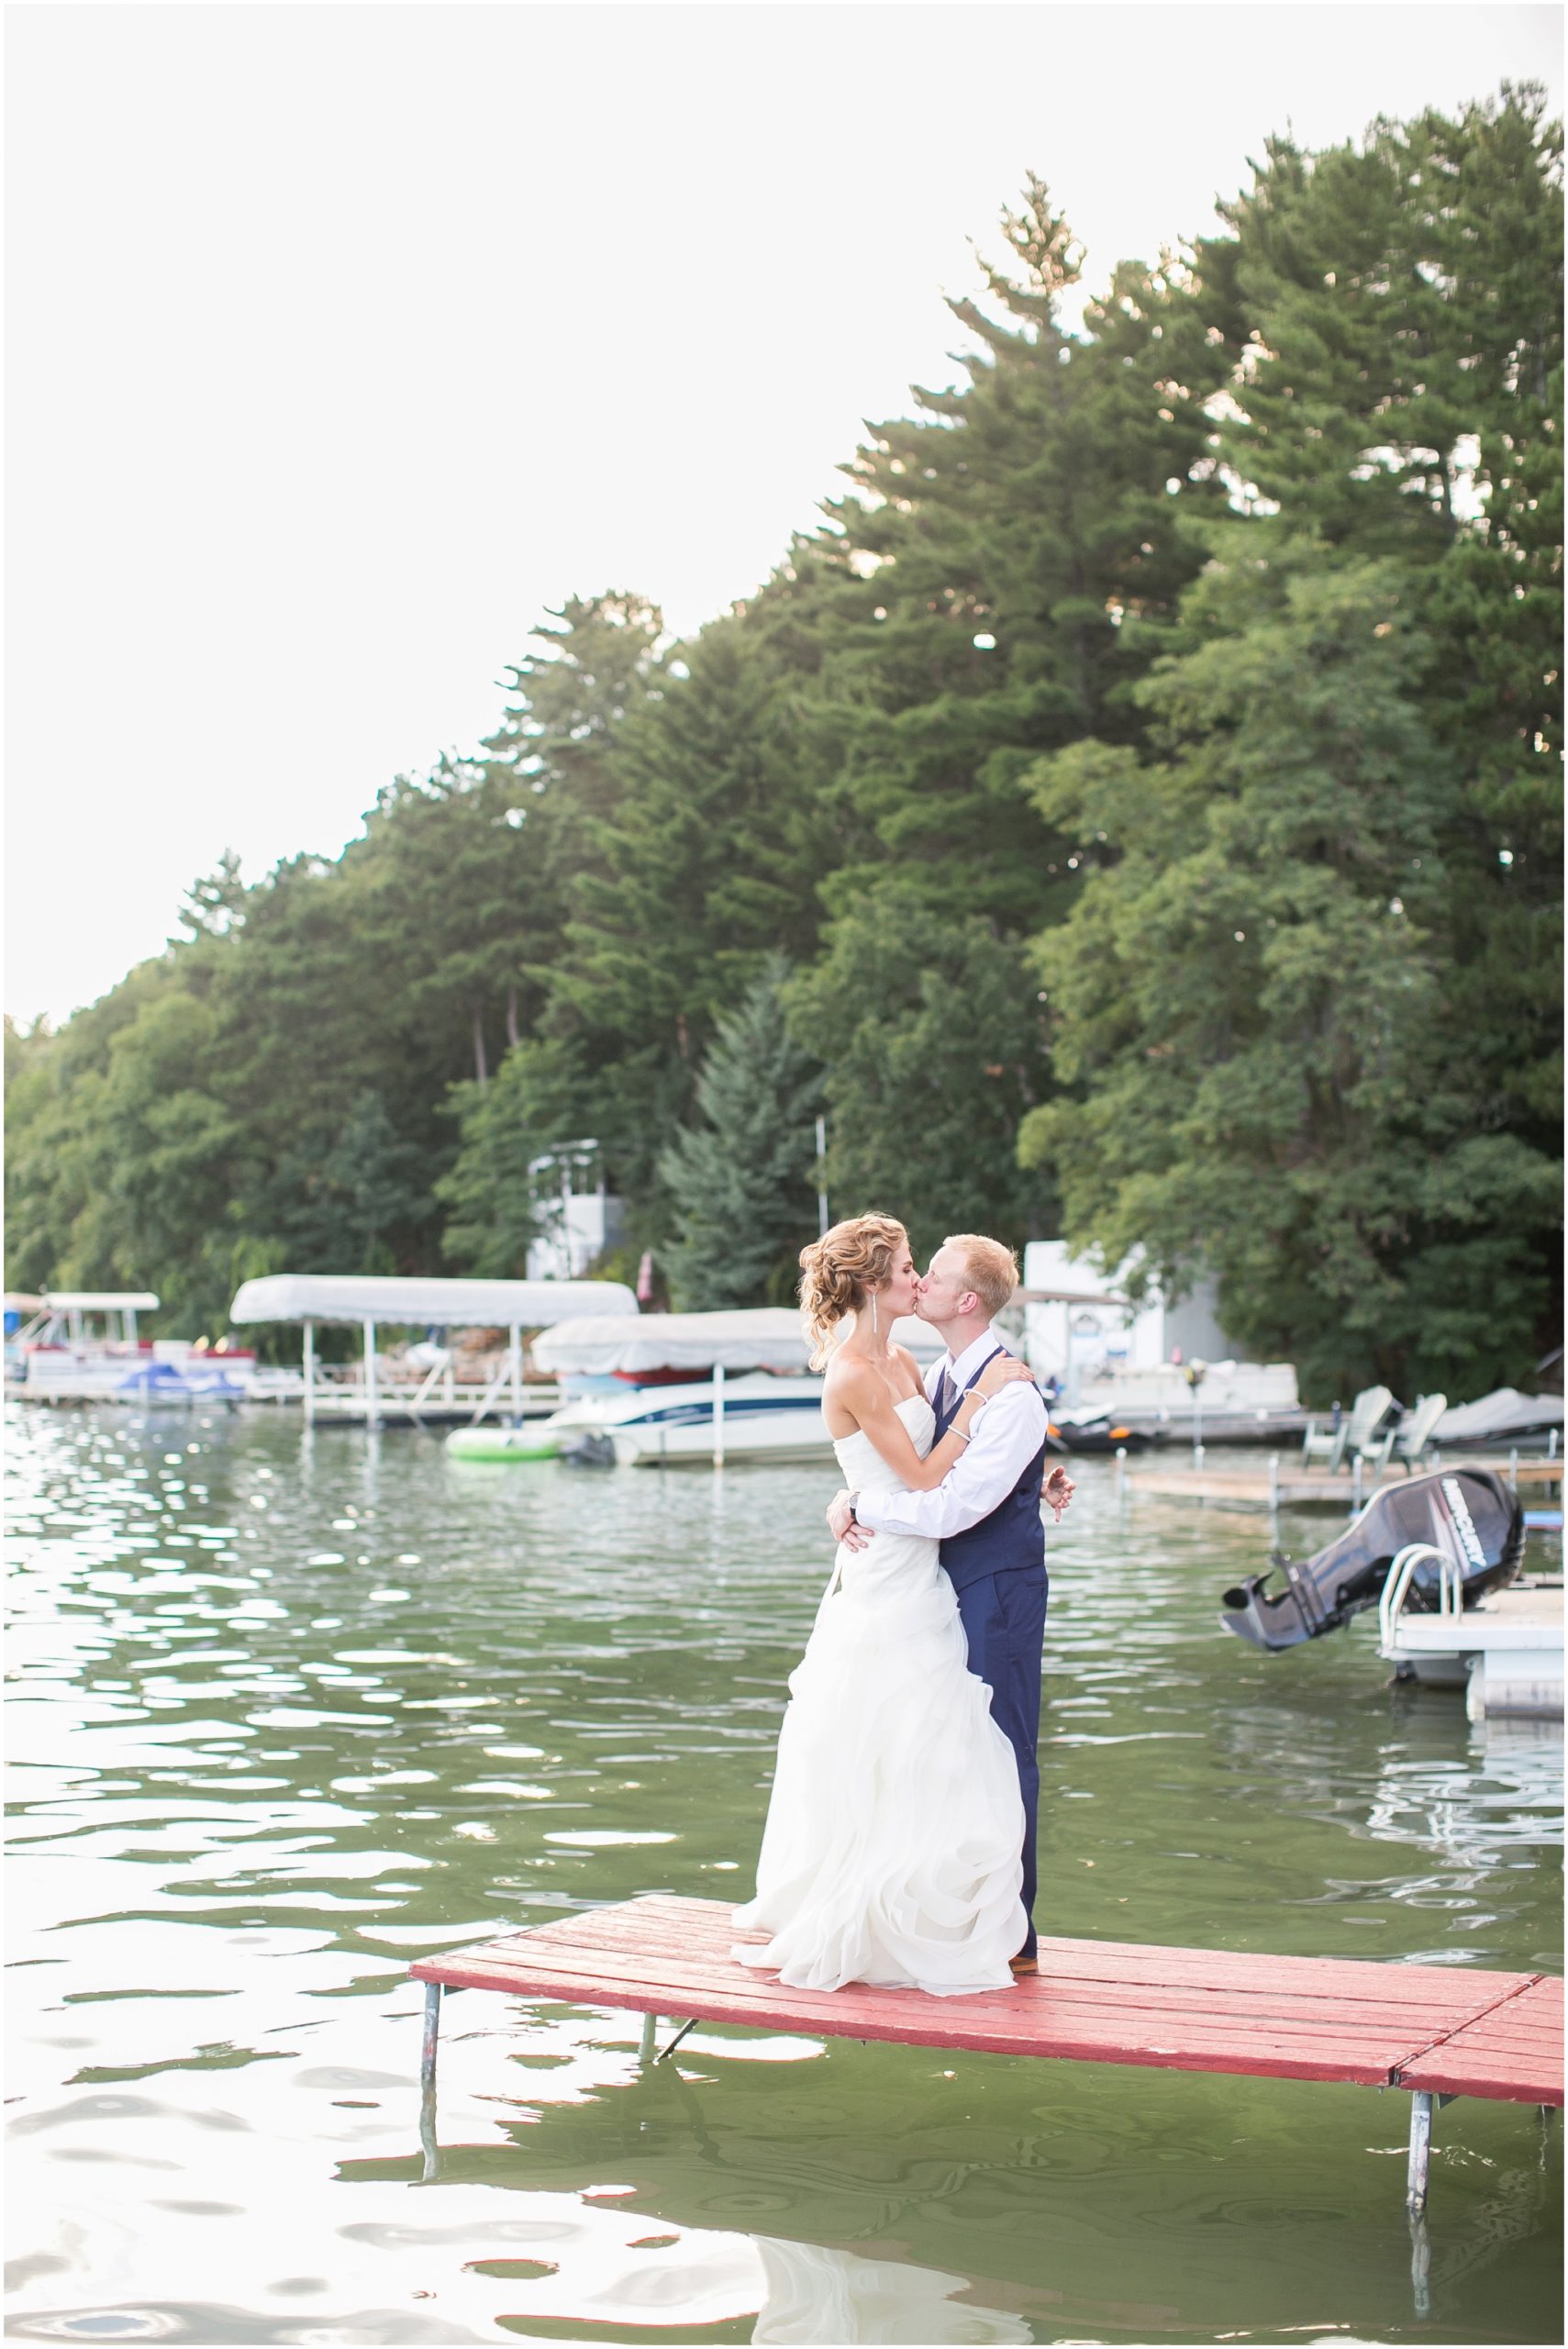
848 1394
848 1375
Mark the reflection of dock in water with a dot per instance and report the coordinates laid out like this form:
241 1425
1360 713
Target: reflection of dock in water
752 2146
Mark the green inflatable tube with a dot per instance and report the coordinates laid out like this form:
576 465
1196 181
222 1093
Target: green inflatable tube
501 1443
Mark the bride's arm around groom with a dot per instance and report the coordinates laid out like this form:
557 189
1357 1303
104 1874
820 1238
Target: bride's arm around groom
1005 1434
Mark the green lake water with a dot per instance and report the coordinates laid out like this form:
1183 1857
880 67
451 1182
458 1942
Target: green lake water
288 1713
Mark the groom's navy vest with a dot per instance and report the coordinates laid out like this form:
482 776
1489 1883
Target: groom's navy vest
1013 1536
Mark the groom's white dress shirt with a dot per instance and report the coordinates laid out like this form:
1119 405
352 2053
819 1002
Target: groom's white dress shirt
1008 1433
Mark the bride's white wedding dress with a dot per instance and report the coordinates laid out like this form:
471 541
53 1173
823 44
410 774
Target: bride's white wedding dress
892 1850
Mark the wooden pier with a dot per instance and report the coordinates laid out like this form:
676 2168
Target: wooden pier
468 1405
1279 1488
1435 2031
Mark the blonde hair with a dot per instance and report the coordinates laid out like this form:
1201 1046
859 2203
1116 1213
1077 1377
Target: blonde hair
838 1272
992 1270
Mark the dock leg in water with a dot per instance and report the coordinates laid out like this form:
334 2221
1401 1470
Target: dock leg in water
649 2040
1420 2153
428 2144
432 2026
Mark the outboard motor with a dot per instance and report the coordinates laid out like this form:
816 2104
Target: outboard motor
587 1450
1467 1512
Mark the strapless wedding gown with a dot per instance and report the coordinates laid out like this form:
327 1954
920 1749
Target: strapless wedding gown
892 1849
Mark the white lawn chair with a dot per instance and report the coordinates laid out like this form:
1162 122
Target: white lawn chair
1336 1446
1411 1438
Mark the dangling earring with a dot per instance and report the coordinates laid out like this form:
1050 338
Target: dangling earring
873 1313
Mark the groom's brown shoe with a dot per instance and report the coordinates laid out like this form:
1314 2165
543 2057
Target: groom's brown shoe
1021 1965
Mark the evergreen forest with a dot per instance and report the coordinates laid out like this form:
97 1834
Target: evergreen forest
1133 812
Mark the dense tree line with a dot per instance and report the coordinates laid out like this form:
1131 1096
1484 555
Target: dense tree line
1134 812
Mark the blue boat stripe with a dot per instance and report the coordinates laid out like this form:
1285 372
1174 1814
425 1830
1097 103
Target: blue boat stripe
677 1415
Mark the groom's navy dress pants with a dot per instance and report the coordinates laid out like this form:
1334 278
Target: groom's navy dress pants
1004 1620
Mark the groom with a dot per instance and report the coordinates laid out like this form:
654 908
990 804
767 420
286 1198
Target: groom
986 1512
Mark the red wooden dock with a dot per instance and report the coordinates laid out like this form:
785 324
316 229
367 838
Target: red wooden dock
1433 2030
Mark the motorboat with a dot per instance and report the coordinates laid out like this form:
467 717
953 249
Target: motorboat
701 1423
694 1389
1094 1431
84 1346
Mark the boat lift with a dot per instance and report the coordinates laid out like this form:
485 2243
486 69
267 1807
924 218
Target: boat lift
371 1300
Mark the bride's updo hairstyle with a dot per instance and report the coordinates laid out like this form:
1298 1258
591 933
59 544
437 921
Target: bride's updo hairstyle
838 1272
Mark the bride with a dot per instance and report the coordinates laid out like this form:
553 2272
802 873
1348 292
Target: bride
892 1850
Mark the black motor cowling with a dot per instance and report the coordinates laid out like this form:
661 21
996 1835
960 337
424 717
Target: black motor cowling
1468 1512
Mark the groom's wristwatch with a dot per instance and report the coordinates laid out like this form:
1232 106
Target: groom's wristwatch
854 1518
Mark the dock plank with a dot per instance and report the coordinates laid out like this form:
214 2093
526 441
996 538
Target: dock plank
1513 2052
1121 2002
1077 1974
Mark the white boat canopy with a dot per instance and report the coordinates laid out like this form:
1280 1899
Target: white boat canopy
373 1297
764 1338
100 1300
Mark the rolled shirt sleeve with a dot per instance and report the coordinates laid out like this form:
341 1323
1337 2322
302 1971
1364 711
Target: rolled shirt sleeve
1008 1433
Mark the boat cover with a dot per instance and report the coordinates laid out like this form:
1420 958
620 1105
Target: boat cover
100 1300
763 1338
1503 1412
373 1297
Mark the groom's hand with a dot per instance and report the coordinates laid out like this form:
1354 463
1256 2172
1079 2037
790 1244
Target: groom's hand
842 1526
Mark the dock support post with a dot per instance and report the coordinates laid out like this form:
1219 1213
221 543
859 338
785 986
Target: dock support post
1274 1483
310 1374
718 1415
650 2039
1120 1471
1356 1473
428 2147
1420 2153
1514 1469
372 1409
432 2029
517 1359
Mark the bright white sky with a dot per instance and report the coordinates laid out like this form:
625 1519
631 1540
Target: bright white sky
344 340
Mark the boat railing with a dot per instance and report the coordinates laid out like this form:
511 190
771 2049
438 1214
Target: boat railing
1402 1573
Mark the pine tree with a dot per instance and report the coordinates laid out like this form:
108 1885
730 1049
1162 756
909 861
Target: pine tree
709 864
934 1050
552 758
996 575
738 1178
